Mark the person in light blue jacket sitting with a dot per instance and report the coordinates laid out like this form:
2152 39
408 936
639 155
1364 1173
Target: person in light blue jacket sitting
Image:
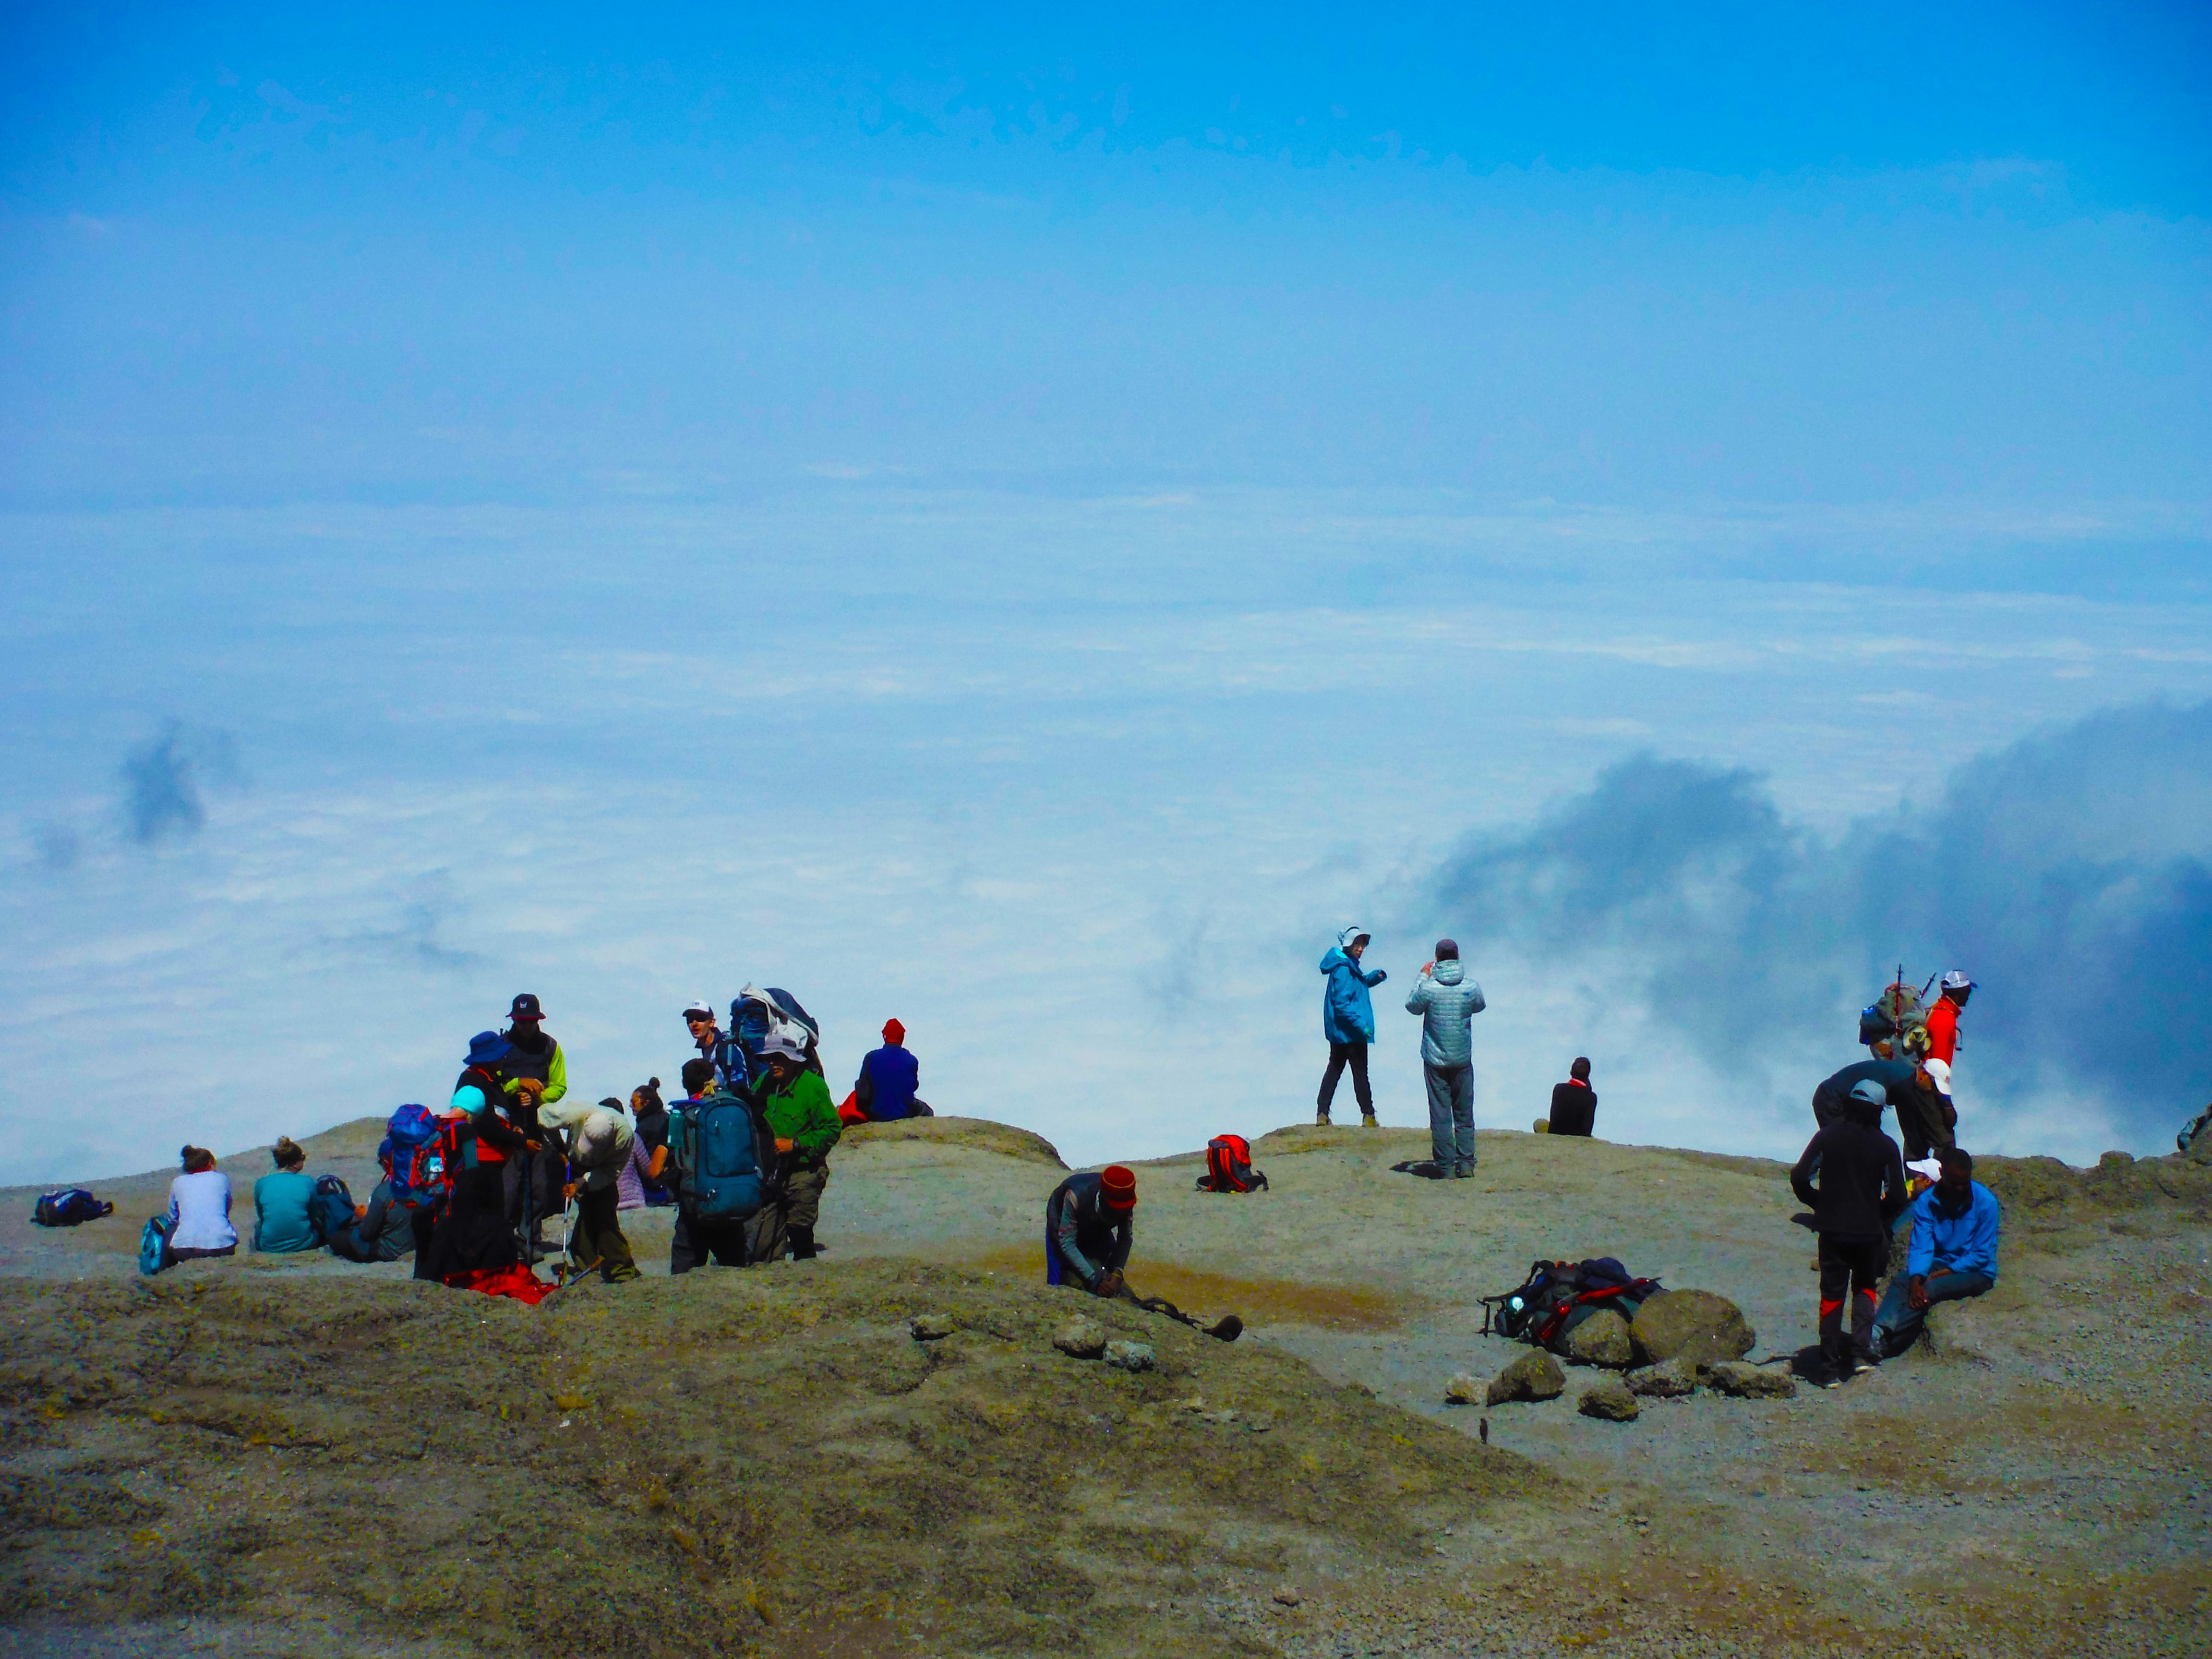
1448 1001
1953 1256
1347 1020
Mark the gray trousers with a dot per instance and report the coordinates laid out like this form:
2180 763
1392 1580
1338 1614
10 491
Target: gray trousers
1451 1117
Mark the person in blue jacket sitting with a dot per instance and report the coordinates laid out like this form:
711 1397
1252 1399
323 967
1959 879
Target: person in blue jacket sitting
888 1077
1953 1256
1347 1020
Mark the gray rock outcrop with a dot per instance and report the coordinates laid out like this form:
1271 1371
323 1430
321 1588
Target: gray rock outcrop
931 1326
1465 1390
1131 1356
1534 1376
1610 1399
1600 1339
1670 1379
1733 1376
1080 1339
1692 1325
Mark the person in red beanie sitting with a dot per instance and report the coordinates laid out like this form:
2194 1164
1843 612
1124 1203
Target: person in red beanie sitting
888 1077
1090 1222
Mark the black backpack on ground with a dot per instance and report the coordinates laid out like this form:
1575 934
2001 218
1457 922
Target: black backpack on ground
1558 1296
71 1206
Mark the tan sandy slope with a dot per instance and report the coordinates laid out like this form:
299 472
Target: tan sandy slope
296 1452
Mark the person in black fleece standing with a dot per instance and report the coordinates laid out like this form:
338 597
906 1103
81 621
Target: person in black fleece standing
1861 1193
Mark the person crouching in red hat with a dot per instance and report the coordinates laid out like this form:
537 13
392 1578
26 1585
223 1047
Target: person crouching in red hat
1090 1222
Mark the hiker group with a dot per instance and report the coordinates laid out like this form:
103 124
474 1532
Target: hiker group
1860 1188
742 1158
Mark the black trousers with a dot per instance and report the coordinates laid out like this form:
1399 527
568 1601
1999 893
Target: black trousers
1339 1055
695 1241
1849 1267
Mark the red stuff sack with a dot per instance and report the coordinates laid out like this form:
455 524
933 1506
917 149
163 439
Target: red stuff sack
1229 1167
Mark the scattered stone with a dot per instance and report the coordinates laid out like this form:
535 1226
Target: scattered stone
931 1327
1610 1399
1733 1376
1080 1339
1287 1597
1600 1339
1670 1379
1463 1390
1131 1356
1534 1375
1258 1425
1692 1325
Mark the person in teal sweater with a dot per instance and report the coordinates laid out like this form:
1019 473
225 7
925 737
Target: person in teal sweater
793 1101
281 1224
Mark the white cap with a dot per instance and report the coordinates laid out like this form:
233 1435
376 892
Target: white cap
781 1042
699 1006
1941 1070
1928 1167
1956 979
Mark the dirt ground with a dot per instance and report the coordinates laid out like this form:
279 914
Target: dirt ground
279 1455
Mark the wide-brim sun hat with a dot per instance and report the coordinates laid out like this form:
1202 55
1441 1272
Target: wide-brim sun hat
485 1046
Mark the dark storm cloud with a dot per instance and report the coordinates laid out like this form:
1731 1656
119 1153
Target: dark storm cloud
2070 874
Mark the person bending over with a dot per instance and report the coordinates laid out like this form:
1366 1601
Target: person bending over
283 1223
598 1140
1090 1223
1574 1103
1895 1077
1953 1256
1860 1193
794 1102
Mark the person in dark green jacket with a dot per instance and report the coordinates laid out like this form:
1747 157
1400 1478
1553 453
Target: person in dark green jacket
282 1225
793 1101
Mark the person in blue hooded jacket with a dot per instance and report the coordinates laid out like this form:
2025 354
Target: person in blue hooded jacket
1347 1020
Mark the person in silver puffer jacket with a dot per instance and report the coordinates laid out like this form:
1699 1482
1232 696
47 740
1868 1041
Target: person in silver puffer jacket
1447 1001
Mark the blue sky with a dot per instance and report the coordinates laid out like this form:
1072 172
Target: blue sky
1030 525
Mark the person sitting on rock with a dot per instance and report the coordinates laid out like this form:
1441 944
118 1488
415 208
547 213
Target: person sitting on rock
199 1210
283 1201
884 1091
1090 1223
382 1229
1861 1192
1574 1103
793 1101
1953 1256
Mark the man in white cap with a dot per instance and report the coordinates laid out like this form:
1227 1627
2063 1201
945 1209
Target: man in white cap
717 1047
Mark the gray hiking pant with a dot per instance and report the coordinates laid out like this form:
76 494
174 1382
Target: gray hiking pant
1451 1117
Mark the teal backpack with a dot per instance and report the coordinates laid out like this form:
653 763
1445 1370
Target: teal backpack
719 1155
154 1245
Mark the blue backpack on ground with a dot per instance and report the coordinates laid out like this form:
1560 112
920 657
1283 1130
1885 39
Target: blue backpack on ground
414 1164
330 1211
154 1245
720 1157
71 1206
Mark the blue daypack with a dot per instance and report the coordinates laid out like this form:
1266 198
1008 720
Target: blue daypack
330 1211
412 1156
718 1153
154 1245
70 1207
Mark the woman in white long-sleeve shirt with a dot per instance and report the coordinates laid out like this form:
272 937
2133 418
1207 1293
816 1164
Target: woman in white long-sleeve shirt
199 1209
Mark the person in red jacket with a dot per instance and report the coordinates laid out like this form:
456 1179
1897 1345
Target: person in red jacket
1943 1018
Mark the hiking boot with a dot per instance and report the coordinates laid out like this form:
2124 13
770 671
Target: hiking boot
1321 1119
1831 1382
1862 1364
1465 1172
1367 1120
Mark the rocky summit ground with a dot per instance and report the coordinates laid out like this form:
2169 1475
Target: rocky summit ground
292 1455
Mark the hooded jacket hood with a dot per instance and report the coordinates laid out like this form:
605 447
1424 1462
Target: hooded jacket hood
1450 972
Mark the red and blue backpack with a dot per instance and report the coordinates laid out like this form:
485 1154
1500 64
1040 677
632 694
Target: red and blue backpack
416 1157
1229 1167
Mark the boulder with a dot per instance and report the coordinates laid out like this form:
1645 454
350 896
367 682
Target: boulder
1080 1339
1608 1399
1600 1339
1464 1390
1692 1325
1733 1376
1534 1376
931 1327
1131 1356
1670 1379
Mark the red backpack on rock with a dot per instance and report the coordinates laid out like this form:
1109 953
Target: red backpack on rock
1229 1167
